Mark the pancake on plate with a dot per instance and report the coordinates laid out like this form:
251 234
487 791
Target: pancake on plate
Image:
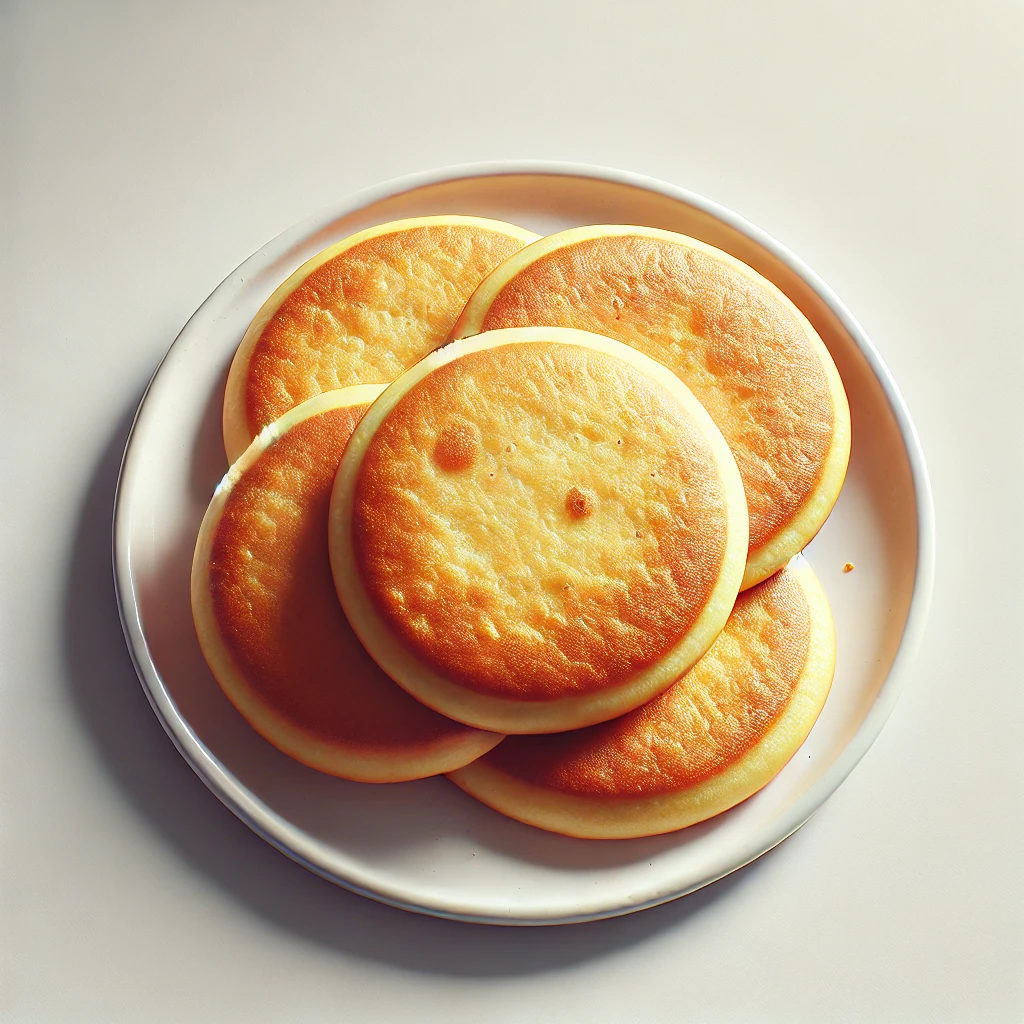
741 346
537 529
360 312
269 621
721 733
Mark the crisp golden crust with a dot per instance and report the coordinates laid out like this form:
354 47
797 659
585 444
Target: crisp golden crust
745 351
717 736
478 565
361 312
697 728
544 520
270 624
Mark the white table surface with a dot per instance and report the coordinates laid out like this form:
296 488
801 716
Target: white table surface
144 153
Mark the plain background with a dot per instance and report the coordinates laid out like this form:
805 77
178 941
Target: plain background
147 149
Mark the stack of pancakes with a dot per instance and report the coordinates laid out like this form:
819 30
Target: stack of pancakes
527 512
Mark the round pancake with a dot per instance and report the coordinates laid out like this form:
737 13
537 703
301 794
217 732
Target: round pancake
741 346
537 529
269 621
360 312
721 733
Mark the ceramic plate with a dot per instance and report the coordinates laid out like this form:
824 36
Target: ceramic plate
425 845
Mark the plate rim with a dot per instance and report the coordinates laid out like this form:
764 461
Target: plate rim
292 841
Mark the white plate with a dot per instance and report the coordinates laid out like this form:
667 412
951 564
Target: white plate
425 845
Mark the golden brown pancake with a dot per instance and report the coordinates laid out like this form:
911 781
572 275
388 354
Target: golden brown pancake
721 733
360 312
270 624
738 343
537 529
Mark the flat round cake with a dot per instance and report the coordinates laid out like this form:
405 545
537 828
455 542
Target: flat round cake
360 312
717 736
269 621
537 529
740 345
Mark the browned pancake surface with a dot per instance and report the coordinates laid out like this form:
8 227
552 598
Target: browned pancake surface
695 730
539 520
276 609
368 314
744 353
